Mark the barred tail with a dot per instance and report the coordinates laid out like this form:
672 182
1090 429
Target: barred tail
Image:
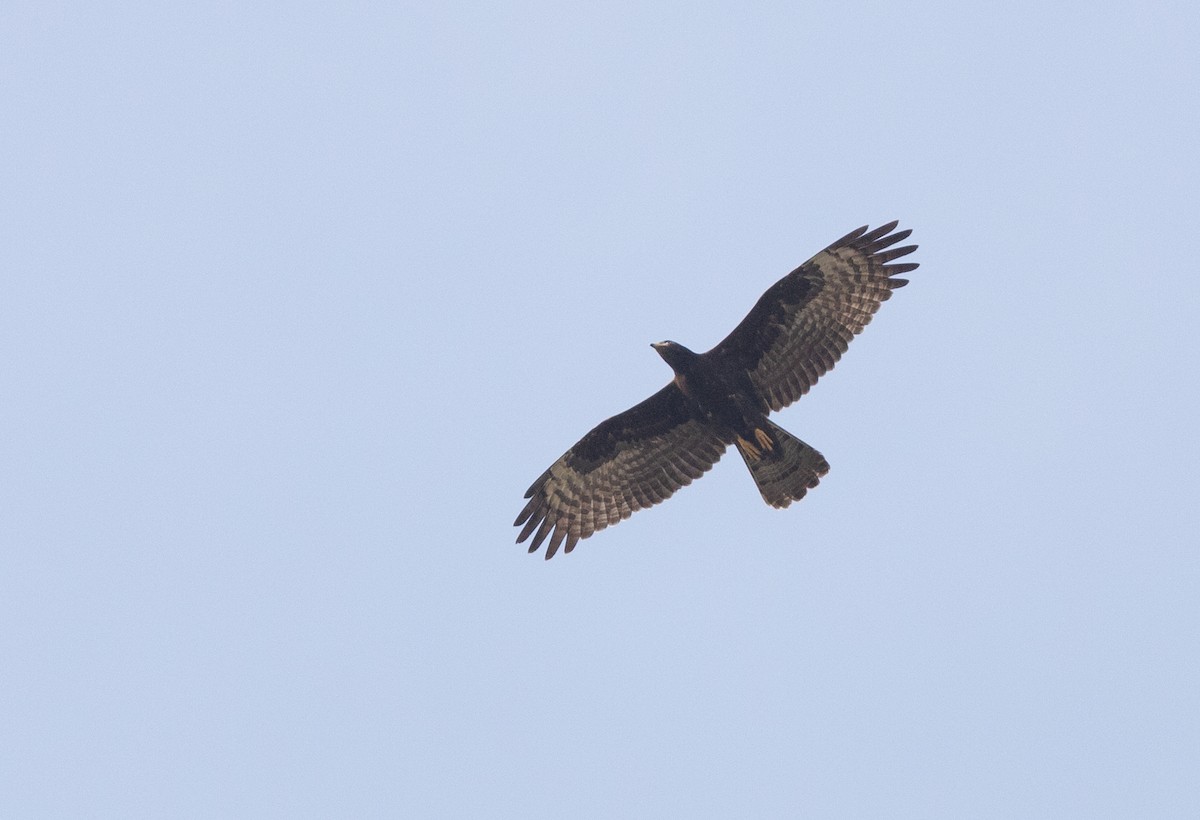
783 466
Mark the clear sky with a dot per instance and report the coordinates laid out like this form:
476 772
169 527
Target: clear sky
299 298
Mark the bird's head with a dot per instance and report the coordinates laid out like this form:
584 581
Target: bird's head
674 354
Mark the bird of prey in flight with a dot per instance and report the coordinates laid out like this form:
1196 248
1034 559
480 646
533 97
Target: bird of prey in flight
794 334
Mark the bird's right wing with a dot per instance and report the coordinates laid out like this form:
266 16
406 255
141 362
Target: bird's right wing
633 460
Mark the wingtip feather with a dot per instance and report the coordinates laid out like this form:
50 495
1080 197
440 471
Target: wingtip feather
848 238
529 528
882 230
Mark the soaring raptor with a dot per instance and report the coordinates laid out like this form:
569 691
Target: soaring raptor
795 333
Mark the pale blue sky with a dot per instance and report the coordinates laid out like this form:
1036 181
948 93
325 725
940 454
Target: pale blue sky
299 298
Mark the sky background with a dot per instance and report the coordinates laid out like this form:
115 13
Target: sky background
299 298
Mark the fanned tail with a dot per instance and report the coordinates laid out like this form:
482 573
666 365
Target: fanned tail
783 466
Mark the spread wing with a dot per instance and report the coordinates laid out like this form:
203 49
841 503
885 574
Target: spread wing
633 460
804 322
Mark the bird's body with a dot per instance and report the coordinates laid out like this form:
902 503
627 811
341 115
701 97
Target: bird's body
722 397
793 335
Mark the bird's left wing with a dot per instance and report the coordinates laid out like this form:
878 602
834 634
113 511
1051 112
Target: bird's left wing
631 461
804 322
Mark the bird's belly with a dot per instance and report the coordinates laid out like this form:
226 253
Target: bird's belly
729 412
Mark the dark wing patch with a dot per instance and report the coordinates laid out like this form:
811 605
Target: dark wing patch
633 460
804 322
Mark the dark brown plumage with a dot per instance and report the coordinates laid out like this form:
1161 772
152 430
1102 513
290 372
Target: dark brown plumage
793 335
